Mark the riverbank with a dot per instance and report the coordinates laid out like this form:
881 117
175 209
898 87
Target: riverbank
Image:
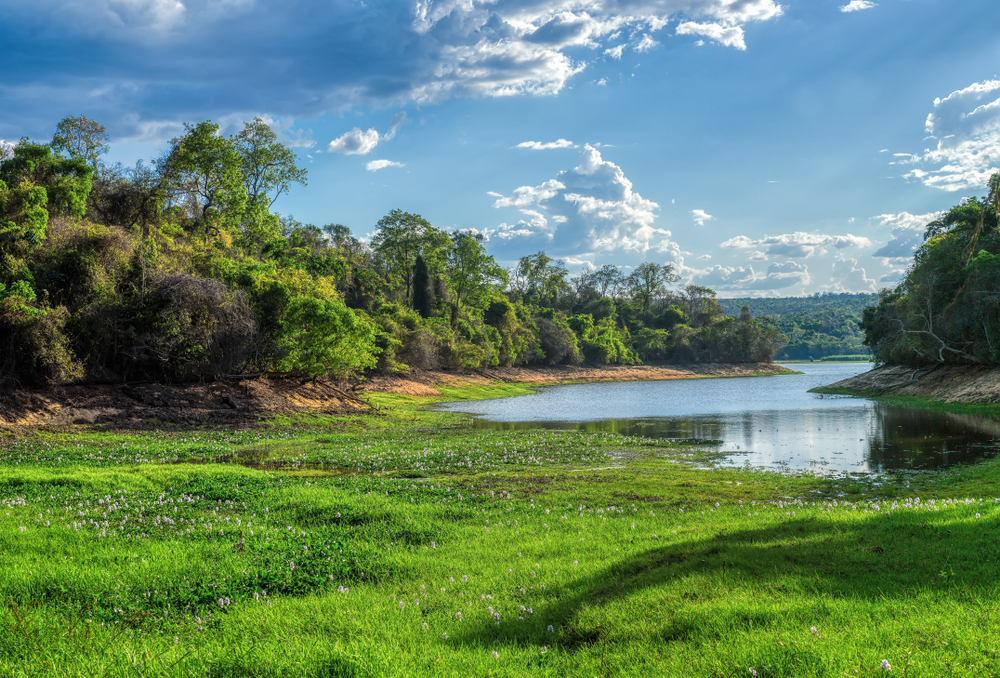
431 382
947 384
243 402
409 544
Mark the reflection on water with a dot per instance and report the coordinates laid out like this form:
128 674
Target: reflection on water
761 421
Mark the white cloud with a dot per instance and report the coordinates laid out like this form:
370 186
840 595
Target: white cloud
376 165
966 124
730 36
355 142
906 233
646 44
591 208
547 145
847 277
701 216
797 245
778 276
704 257
615 52
156 15
395 123
857 6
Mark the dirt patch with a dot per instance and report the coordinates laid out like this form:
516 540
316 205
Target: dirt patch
426 382
226 402
947 383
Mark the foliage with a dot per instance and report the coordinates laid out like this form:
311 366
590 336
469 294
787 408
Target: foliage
947 308
178 270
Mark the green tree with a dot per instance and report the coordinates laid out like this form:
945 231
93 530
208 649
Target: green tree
401 236
649 281
423 297
471 272
325 337
204 175
81 138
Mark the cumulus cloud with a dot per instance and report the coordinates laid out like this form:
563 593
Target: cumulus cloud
240 55
590 208
777 276
730 36
847 277
701 216
797 245
906 233
966 125
615 52
355 142
547 145
857 6
376 165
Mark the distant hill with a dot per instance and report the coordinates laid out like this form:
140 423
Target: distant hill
817 326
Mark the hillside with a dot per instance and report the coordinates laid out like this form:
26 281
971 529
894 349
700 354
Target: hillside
817 326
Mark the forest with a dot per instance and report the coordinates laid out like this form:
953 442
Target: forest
821 326
947 308
179 270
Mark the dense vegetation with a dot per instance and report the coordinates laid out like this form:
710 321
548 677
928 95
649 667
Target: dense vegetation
947 309
820 326
179 270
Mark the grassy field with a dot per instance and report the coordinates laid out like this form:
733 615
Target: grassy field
409 544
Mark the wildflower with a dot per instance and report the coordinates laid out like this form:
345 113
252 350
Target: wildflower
424 625
465 577
402 604
812 629
444 636
753 672
496 655
885 665
458 616
551 628
545 649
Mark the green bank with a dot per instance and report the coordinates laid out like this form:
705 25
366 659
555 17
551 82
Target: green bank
406 543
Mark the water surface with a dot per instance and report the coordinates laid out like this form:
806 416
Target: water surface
762 421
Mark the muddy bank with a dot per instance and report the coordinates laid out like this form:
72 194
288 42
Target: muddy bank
947 383
228 402
426 383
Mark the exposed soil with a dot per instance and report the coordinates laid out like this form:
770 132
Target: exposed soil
246 401
227 402
947 383
425 383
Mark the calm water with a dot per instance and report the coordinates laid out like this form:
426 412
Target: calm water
761 421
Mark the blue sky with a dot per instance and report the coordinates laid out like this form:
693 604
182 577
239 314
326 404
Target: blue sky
761 147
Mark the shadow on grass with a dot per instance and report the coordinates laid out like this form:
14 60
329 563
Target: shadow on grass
795 563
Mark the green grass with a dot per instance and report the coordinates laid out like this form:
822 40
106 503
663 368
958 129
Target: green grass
408 544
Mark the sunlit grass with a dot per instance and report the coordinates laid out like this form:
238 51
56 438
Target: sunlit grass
408 544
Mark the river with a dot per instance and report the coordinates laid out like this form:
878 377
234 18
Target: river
766 422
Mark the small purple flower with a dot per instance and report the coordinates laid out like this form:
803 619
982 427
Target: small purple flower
886 665
753 672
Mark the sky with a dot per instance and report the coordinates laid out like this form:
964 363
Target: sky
761 148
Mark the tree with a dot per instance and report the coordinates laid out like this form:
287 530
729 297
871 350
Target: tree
471 272
423 296
649 281
80 138
401 236
325 337
539 277
607 280
203 171
267 165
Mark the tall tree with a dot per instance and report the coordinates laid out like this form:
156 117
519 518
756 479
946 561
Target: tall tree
267 165
649 281
78 137
423 296
401 236
470 270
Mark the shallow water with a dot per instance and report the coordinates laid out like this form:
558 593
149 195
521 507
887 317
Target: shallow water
761 421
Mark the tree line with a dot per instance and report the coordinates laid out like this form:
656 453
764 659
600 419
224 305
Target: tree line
179 270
